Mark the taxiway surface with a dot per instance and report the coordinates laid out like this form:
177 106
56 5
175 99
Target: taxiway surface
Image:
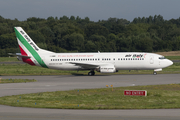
69 82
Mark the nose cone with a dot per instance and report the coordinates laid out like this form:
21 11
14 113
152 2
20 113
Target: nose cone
166 63
170 62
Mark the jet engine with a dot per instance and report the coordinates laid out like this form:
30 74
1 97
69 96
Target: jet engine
107 69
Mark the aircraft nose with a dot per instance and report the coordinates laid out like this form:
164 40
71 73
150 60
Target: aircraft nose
166 63
170 62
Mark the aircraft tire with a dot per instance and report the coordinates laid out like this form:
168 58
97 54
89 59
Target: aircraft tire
154 73
90 73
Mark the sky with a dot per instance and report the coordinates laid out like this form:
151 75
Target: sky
94 9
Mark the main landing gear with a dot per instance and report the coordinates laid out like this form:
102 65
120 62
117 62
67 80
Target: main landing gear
91 73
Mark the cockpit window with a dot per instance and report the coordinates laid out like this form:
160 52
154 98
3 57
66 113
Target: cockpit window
162 57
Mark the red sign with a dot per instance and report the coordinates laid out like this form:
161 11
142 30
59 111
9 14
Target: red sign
135 92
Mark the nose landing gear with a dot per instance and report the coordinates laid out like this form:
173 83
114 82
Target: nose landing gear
154 73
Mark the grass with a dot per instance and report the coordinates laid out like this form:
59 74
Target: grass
9 59
25 69
173 57
159 97
2 81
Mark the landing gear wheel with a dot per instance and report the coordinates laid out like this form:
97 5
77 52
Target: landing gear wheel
91 73
154 73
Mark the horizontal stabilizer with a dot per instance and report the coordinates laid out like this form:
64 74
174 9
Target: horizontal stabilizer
19 55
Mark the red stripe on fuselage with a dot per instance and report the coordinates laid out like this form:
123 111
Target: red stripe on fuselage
26 60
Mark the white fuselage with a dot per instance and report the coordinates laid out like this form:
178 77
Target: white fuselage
121 60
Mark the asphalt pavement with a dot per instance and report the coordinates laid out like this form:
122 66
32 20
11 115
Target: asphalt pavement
70 82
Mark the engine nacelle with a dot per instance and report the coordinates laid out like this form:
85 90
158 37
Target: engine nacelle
107 69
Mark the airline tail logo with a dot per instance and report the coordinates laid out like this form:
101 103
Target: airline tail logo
28 47
29 41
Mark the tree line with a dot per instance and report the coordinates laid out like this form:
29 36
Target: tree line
74 34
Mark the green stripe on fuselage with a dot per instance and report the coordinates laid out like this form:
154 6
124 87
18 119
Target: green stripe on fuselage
30 49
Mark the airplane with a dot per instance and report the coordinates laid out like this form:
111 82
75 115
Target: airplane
103 62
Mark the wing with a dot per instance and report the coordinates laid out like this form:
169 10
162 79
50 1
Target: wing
86 65
89 65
